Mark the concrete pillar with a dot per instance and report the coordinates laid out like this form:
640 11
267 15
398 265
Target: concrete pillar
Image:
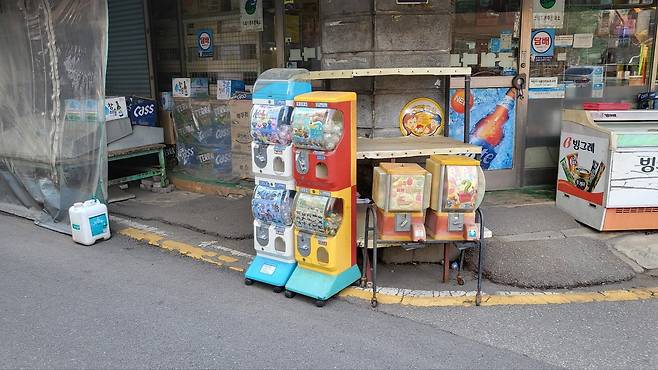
383 34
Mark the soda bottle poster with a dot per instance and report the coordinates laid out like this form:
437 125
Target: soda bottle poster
493 124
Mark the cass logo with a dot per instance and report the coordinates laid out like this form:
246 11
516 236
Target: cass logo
567 142
144 110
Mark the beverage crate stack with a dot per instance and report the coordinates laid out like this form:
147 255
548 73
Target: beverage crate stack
203 130
272 164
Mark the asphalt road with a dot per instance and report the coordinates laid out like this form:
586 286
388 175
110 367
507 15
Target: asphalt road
122 304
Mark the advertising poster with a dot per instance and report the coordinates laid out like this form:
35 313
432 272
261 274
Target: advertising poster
493 123
583 165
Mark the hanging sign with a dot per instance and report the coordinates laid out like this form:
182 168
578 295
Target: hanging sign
543 45
204 43
251 15
548 13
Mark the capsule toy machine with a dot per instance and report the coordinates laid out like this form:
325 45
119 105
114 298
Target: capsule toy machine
272 163
458 187
324 140
273 233
608 168
272 152
401 192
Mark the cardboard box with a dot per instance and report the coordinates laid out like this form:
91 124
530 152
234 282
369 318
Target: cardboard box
141 136
166 101
167 124
142 112
242 166
117 129
240 111
227 88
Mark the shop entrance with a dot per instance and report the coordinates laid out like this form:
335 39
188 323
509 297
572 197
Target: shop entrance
581 52
487 36
568 51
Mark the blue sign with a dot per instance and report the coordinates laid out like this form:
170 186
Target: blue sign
542 45
142 111
204 43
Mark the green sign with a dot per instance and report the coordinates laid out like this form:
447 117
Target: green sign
250 6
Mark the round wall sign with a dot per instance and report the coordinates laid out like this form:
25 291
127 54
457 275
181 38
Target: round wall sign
205 41
542 42
422 117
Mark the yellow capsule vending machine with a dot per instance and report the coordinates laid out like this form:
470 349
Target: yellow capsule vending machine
457 190
324 140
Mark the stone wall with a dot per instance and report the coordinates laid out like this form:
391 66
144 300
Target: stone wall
381 34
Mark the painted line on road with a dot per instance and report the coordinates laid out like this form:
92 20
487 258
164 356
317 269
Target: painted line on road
238 261
157 240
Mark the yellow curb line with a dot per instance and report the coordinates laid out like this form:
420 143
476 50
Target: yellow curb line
500 300
217 259
180 247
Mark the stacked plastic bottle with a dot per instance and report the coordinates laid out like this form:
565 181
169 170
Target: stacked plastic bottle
272 164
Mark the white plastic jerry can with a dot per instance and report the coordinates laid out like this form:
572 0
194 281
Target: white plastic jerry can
89 222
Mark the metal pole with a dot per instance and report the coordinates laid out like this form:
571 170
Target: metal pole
279 34
446 104
467 108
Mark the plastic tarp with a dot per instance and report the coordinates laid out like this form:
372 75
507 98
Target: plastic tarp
203 138
52 81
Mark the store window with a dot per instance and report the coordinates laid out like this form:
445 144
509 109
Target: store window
243 41
582 51
302 34
486 36
598 51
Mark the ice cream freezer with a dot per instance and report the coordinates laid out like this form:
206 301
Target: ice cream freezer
608 168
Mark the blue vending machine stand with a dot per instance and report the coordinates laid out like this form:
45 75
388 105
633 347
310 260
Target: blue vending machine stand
272 164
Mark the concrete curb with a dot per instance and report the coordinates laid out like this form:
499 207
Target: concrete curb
406 297
239 261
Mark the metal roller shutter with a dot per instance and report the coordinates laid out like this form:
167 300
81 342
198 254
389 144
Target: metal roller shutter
128 71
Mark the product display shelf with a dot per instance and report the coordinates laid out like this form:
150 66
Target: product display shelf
147 172
443 74
370 268
400 147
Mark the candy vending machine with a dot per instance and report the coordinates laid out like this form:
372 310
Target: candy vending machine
401 192
272 163
457 190
324 141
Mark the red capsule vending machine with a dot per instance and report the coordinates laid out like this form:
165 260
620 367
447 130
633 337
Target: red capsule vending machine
324 146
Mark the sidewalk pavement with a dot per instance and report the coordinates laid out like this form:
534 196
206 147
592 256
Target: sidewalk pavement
534 244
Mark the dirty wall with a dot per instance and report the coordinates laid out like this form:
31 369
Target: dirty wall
383 34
